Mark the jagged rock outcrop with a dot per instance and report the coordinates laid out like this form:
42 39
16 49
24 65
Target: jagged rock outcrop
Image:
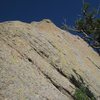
38 59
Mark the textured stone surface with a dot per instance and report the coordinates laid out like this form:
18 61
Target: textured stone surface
37 59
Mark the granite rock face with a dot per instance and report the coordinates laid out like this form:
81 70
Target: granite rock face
37 60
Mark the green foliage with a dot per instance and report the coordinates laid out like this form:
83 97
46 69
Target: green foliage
80 24
82 91
81 94
86 6
89 23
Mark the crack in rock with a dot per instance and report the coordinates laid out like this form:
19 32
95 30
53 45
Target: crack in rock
58 87
93 63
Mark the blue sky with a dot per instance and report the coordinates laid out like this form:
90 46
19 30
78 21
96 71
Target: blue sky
36 10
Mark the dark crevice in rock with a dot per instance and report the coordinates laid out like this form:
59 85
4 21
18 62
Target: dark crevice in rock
93 63
52 45
12 47
35 41
34 49
22 55
30 60
47 21
44 54
60 88
59 70
41 53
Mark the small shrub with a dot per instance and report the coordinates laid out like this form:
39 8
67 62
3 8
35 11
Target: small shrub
80 95
82 92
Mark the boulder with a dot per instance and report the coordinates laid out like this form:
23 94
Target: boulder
38 59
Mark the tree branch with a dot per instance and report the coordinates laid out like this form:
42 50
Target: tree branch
86 36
